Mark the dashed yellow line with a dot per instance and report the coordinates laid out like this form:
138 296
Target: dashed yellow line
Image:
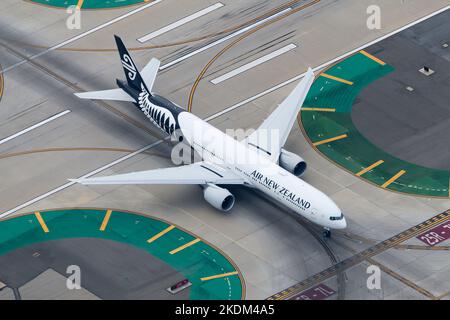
368 55
376 164
159 235
105 220
41 221
184 246
336 79
391 180
217 276
319 109
330 140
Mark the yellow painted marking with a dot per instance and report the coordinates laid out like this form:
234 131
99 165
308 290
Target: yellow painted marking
391 180
80 4
330 140
105 220
184 246
449 188
159 235
217 276
376 164
368 55
336 79
41 221
319 109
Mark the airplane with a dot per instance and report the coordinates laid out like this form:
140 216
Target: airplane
258 161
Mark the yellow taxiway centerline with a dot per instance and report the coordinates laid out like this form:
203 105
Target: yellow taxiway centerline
330 140
376 164
217 276
105 220
368 55
319 109
41 221
184 246
391 180
80 4
159 235
336 79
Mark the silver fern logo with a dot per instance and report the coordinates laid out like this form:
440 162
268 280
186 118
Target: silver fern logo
128 65
161 117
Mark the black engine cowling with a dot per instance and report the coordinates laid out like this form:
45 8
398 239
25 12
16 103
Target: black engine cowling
292 163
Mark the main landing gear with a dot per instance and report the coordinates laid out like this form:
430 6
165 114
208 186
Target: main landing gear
327 233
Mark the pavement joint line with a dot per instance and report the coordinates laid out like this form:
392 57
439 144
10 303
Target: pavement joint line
368 55
369 168
180 22
106 220
41 222
35 126
402 279
393 179
360 257
160 234
82 35
319 143
184 246
319 109
328 76
218 276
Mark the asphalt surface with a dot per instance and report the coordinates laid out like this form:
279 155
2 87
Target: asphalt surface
109 269
413 126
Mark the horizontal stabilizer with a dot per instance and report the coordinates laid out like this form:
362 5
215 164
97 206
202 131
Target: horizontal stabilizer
113 94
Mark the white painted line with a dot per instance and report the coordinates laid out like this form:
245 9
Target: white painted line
37 125
254 63
87 175
324 65
221 40
82 35
180 22
214 116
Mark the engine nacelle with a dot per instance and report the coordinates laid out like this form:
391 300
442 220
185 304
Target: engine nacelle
292 163
219 198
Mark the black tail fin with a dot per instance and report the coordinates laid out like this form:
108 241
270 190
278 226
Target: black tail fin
129 67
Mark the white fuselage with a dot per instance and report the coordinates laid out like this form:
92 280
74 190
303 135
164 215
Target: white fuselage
260 172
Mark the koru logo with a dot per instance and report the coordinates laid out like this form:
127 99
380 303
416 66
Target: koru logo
128 65
374 19
73 281
374 280
74 20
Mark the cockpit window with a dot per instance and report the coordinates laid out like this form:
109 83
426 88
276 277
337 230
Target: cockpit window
337 218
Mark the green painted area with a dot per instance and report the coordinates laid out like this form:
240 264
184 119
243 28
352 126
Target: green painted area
195 262
355 152
89 4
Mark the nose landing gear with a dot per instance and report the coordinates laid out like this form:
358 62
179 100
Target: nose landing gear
327 233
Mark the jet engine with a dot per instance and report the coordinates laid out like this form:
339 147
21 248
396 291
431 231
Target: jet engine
292 163
219 198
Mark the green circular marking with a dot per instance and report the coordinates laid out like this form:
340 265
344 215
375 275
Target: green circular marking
355 152
195 262
88 4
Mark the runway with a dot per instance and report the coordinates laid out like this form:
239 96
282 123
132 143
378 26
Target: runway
44 63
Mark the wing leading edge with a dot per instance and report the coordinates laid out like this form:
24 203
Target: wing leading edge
197 173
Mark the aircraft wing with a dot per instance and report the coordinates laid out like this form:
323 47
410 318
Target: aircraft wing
271 136
197 173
